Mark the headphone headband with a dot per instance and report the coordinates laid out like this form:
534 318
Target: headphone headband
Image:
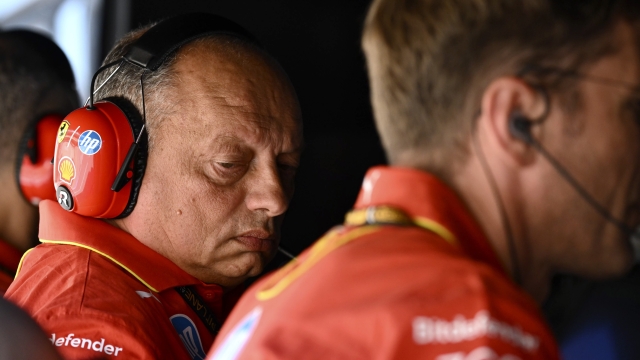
159 42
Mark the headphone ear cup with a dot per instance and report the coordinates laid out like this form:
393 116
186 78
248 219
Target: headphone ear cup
91 147
140 159
34 170
520 128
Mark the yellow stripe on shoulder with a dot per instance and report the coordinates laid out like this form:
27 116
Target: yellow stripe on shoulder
103 254
437 228
296 268
20 263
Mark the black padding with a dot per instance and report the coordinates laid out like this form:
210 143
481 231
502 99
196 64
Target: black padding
140 160
159 42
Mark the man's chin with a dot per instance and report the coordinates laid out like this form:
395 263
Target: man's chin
238 269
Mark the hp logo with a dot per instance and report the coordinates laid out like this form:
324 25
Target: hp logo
89 142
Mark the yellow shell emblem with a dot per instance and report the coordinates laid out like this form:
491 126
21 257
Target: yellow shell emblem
62 130
67 170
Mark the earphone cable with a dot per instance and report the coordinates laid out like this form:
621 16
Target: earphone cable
144 108
95 77
513 253
104 82
573 182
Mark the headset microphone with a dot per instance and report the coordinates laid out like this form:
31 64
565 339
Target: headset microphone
520 128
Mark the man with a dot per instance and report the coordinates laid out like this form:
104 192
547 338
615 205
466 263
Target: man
36 84
224 133
512 131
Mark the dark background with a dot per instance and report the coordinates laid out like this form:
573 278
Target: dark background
318 45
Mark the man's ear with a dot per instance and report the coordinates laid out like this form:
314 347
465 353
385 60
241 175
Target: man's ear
508 107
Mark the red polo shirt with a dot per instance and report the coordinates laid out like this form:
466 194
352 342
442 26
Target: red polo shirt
432 290
9 260
98 292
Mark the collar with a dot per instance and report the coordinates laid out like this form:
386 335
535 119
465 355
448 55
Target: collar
428 201
156 272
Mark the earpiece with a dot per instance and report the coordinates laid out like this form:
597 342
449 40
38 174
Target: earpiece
520 128
101 149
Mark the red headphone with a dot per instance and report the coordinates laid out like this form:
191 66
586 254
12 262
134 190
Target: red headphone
35 163
101 149
36 147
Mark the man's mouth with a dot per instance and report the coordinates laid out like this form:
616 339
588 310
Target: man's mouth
257 240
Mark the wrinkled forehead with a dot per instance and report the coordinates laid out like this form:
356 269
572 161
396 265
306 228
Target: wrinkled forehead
226 88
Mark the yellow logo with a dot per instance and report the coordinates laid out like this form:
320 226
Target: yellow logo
62 130
67 170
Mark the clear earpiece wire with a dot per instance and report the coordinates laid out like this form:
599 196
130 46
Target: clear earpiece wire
104 82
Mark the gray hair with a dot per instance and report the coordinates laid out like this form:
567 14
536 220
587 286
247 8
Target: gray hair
158 84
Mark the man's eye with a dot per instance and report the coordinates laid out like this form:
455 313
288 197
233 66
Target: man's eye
227 165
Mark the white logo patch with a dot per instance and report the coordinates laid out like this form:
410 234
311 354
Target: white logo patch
427 330
83 343
238 337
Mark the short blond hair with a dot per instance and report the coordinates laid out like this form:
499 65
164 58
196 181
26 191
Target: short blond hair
430 60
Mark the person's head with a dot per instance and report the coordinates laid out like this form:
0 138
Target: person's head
444 73
35 81
225 137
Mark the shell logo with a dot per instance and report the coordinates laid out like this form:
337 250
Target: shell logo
67 170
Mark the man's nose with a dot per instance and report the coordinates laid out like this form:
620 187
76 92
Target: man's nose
266 193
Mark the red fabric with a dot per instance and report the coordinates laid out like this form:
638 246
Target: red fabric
79 295
9 260
391 292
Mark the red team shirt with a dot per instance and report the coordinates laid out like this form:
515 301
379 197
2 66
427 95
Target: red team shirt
100 293
433 291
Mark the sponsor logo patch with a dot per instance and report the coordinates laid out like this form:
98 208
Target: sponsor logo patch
238 337
64 198
62 130
189 335
67 170
89 142
84 343
432 330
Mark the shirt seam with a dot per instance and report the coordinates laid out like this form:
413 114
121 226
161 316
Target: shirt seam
86 280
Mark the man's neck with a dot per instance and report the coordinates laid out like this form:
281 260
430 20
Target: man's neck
473 186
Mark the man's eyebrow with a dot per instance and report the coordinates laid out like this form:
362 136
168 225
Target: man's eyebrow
226 143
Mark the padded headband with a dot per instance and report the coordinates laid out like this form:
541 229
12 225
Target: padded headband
159 42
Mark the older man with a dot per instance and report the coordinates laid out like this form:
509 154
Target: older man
512 130
37 89
224 142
